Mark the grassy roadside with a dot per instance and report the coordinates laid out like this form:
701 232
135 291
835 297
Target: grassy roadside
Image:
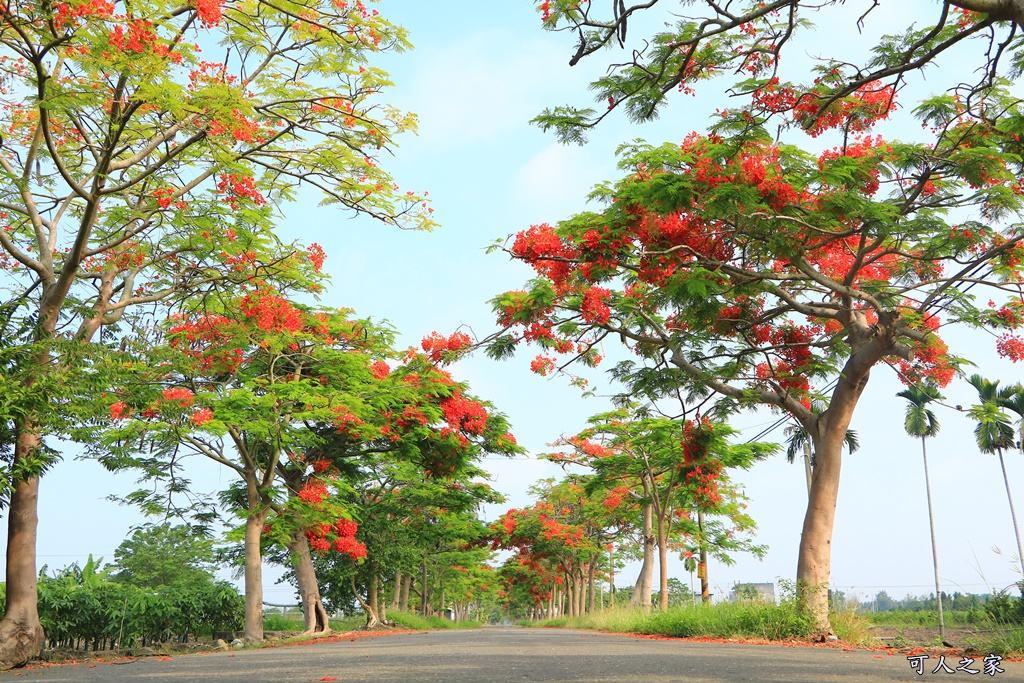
419 622
727 620
406 620
782 622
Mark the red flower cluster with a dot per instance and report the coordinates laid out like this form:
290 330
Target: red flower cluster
201 417
594 308
344 420
614 498
703 483
380 369
209 12
208 339
119 411
139 37
438 347
343 531
271 312
183 396
313 492
589 448
316 256
463 414
542 365
697 436
544 250
236 187
1010 346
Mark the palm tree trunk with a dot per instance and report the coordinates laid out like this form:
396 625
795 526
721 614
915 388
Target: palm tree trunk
1013 513
935 550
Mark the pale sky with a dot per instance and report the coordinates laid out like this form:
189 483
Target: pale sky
478 74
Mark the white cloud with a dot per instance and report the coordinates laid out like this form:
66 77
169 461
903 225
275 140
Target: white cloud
554 183
474 89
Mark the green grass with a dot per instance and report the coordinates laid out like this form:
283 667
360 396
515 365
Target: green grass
295 624
411 620
417 621
925 619
853 627
1005 641
725 620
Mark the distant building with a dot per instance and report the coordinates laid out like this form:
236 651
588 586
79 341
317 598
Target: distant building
753 591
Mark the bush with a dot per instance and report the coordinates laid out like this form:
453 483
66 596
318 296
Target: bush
99 613
1004 609
749 620
417 621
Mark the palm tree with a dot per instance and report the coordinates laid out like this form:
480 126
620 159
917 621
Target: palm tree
921 422
995 434
797 439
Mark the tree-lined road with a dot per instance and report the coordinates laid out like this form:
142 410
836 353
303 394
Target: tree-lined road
510 655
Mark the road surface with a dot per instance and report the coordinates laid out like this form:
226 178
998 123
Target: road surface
513 655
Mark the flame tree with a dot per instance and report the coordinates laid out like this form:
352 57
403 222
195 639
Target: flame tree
677 472
140 140
746 268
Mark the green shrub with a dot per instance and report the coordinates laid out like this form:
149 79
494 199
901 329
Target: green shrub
1005 609
416 621
748 619
93 612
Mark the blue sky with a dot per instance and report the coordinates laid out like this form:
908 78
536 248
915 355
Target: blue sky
478 74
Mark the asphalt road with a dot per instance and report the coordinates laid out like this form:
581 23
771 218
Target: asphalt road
511 655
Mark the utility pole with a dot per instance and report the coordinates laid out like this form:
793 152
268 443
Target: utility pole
807 465
702 567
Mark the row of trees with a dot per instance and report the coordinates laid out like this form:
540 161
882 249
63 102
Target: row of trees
653 485
744 271
994 433
151 312
141 267
161 588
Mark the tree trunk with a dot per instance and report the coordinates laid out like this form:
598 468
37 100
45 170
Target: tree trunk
423 592
935 551
611 576
591 582
644 582
403 604
382 608
21 634
828 433
313 612
254 573
662 566
1013 513
373 618
702 566
583 591
396 596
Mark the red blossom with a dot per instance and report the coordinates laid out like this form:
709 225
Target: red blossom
313 492
183 396
119 411
438 347
209 12
316 256
594 309
380 369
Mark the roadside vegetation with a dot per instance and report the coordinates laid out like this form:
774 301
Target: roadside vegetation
994 630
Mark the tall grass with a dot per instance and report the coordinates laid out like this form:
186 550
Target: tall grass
743 619
1005 642
419 622
926 619
293 623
